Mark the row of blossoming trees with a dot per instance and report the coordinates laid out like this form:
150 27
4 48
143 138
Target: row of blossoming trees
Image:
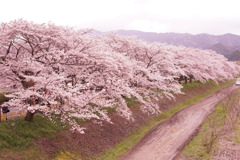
85 73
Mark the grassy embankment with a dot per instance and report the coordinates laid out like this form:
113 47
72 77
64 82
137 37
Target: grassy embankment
17 136
129 142
221 122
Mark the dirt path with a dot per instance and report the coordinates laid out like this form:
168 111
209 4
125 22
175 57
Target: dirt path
166 140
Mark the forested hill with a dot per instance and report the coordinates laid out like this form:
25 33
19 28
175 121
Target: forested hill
227 44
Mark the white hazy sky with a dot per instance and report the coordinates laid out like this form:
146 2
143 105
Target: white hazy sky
183 16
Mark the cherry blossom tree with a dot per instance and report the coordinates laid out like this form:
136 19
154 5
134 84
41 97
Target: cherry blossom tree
73 73
173 62
203 65
151 57
57 65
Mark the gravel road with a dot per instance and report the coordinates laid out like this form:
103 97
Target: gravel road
165 141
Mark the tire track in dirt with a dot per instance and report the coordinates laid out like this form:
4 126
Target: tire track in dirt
166 140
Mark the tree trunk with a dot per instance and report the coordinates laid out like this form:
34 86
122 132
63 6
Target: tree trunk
29 116
191 78
0 113
179 81
185 78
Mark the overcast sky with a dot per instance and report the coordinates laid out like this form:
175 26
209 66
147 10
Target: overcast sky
183 16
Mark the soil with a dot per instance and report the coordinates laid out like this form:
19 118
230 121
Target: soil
165 141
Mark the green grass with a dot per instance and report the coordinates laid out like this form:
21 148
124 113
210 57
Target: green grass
193 84
67 156
131 101
18 134
31 153
110 110
199 147
121 148
80 120
236 138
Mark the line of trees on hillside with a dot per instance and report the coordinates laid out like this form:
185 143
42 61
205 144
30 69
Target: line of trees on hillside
85 73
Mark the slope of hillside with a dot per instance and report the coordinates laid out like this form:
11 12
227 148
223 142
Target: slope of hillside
235 56
97 138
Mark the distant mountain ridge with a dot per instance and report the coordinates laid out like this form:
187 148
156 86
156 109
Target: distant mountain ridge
227 44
